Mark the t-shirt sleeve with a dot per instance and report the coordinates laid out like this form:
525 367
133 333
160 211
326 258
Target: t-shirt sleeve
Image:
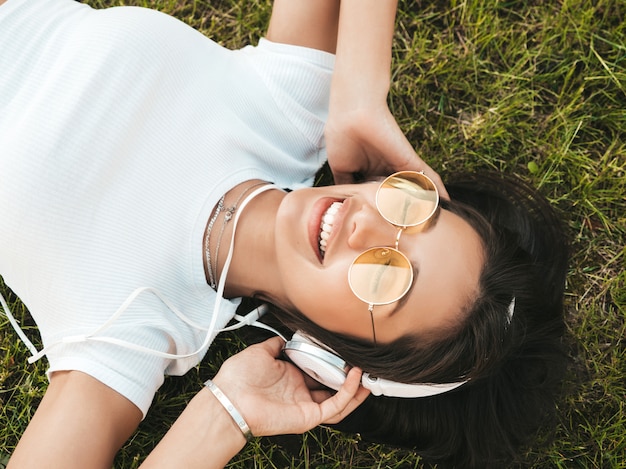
299 80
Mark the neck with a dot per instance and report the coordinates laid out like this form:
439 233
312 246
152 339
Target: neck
254 256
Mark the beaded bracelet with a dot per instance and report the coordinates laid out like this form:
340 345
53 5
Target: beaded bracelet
230 408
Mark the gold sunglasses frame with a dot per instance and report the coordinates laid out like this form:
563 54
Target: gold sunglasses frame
401 177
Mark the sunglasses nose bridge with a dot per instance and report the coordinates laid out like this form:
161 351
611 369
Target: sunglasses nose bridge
398 234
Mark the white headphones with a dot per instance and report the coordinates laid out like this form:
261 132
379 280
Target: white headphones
328 368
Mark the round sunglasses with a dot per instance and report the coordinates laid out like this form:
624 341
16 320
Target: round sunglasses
382 275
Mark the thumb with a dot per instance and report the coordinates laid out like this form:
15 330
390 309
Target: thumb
273 346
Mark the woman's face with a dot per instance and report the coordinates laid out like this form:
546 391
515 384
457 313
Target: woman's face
447 258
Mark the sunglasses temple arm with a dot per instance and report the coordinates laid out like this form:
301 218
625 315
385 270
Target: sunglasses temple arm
370 308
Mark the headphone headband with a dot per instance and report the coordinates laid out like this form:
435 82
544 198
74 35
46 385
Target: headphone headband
385 387
325 366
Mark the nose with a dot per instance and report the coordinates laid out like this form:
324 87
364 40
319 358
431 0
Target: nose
371 229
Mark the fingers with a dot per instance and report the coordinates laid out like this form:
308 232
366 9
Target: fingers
408 160
355 402
348 398
415 164
273 346
428 171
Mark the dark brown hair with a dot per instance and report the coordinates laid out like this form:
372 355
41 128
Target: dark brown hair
513 367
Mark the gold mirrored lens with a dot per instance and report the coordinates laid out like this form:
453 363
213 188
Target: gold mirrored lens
380 275
407 198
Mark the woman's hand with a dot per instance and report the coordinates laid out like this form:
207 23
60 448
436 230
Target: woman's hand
361 134
370 142
272 394
269 393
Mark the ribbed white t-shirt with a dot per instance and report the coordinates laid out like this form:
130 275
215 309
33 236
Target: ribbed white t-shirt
119 131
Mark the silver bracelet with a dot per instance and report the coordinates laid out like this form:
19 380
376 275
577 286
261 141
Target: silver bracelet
230 408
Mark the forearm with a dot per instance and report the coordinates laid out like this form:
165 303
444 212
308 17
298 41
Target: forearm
80 423
307 23
363 138
204 436
365 36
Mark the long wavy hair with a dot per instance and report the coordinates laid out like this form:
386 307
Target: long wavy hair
513 365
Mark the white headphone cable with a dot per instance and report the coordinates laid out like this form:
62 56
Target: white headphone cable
36 355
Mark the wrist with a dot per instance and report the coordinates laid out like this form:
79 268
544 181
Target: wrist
207 433
230 409
352 94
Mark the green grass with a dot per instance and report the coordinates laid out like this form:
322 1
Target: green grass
533 88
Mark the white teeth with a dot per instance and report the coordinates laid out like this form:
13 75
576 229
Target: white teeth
326 226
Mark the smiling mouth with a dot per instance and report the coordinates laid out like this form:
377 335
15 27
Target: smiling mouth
326 226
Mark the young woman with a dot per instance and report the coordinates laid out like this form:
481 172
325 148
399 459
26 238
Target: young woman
134 149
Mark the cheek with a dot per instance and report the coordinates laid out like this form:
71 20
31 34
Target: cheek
335 308
309 288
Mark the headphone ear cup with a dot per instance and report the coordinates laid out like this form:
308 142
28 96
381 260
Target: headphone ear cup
320 364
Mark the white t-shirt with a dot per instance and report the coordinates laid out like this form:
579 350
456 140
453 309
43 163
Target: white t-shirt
119 131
